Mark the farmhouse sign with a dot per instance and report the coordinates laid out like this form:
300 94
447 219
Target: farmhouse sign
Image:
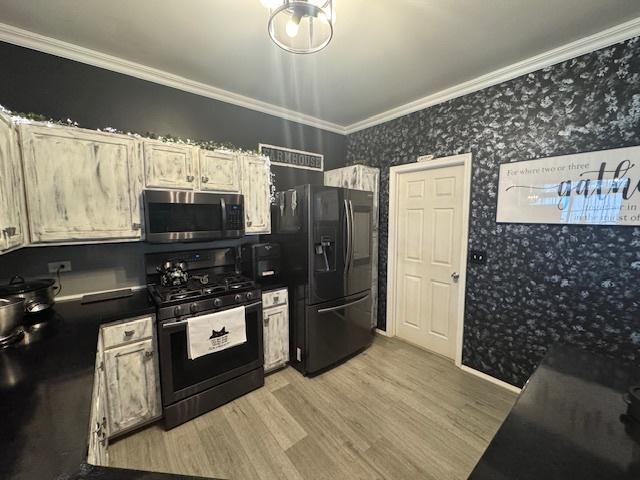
292 158
595 188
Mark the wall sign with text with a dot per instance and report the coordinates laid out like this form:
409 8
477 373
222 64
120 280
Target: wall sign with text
595 188
292 158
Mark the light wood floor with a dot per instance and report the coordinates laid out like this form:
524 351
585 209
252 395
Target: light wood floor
394 411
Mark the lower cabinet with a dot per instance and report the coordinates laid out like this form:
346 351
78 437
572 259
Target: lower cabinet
131 386
126 391
98 428
275 318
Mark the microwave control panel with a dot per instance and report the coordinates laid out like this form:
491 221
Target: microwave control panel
235 217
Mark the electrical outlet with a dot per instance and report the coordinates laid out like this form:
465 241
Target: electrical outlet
64 266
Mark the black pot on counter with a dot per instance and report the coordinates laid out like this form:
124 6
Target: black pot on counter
632 399
38 295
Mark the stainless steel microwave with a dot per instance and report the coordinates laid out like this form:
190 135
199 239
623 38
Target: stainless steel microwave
179 216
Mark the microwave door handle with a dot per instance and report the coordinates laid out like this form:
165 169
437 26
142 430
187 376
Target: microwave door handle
223 216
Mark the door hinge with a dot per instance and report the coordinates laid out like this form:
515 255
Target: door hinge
136 226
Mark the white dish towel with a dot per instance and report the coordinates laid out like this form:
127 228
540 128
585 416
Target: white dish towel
215 332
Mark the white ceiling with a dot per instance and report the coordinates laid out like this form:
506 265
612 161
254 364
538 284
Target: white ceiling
385 53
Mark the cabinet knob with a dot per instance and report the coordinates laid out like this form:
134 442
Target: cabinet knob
148 354
190 178
128 333
9 231
205 179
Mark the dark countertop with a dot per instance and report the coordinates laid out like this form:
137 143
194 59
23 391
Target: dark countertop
567 423
46 383
267 286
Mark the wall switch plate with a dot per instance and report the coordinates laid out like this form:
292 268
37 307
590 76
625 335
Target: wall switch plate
64 266
478 257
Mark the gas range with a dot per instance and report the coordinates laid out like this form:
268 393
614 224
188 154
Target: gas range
210 291
197 283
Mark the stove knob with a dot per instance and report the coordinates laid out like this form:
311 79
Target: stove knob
193 308
217 302
249 295
176 312
238 298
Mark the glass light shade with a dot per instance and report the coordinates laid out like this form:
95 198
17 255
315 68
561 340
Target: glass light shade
301 26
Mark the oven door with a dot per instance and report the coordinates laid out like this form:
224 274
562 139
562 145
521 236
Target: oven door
182 377
179 216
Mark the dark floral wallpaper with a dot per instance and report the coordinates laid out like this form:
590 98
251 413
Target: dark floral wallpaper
542 283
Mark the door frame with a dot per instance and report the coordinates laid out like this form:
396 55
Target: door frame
426 164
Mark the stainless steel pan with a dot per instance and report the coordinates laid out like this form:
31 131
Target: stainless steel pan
11 315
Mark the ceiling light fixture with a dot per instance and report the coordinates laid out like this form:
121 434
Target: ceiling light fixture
300 26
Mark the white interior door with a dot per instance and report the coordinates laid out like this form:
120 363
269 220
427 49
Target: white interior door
429 231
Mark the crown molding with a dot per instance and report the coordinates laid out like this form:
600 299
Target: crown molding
34 41
599 40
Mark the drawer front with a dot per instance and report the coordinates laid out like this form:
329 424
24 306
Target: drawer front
131 331
275 298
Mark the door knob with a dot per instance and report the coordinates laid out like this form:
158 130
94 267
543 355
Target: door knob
455 276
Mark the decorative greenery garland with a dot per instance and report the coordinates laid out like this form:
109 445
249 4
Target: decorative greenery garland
21 117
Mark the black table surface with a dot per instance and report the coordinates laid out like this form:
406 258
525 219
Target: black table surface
46 383
568 422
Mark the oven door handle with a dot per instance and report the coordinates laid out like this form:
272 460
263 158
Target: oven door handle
166 326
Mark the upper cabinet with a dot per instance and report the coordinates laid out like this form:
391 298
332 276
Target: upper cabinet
12 209
357 177
169 165
219 171
256 188
81 185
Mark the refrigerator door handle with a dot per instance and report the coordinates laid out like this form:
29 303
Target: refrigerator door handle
352 231
347 254
340 307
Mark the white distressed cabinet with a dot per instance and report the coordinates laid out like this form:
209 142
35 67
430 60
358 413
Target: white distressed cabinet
361 177
169 165
275 319
81 185
12 208
98 427
219 171
131 385
126 392
256 188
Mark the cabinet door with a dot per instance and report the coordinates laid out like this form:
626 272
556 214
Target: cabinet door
256 188
276 337
219 171
98 435
168 165
12 210
132 388
81 184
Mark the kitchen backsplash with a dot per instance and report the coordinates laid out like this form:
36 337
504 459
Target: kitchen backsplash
542 283
95 267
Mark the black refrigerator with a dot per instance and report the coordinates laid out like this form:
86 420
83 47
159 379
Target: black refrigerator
326 238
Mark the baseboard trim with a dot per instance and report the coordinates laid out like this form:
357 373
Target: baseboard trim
384 333
491 379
